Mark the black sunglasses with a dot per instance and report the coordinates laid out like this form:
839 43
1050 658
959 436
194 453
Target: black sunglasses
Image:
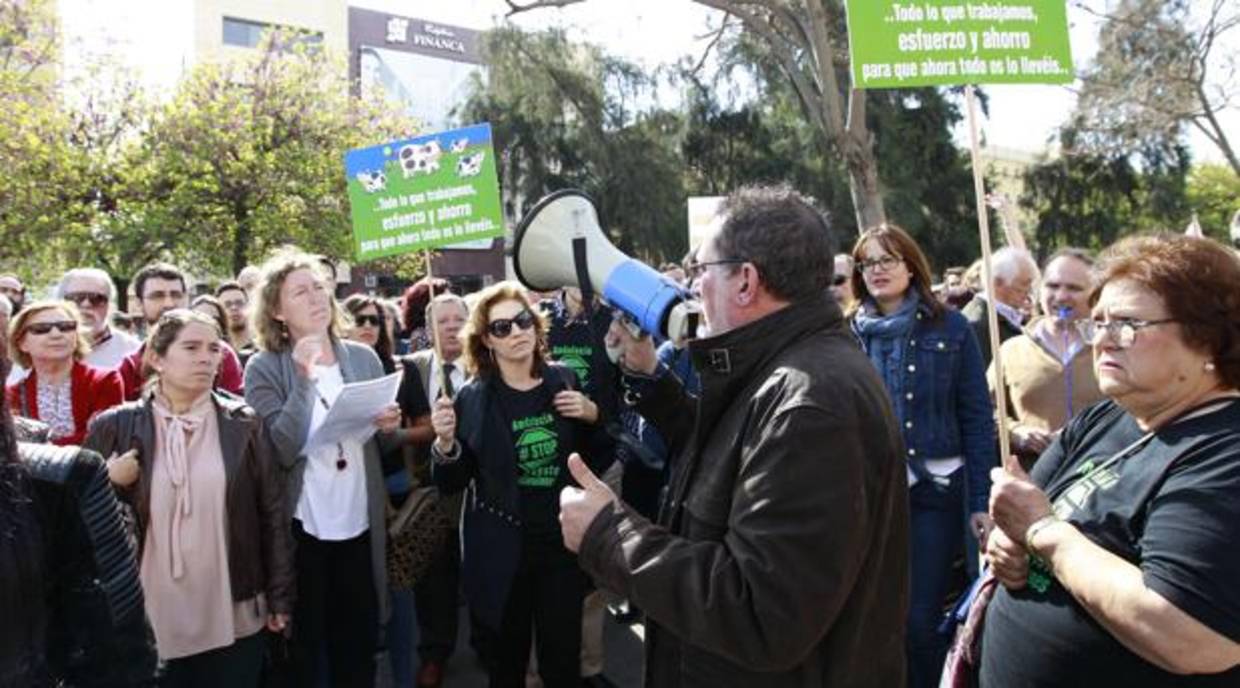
503 327
839 280
364 320
44 328
93 299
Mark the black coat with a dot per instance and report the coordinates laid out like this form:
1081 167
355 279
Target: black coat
781 555
96 631
492 522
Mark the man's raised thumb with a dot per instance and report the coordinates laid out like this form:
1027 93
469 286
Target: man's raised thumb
582 473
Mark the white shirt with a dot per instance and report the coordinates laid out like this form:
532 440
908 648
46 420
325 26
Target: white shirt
16 374
332 505
113 350
457 375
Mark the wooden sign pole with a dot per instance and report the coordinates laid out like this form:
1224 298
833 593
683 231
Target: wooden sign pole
430 315
983 224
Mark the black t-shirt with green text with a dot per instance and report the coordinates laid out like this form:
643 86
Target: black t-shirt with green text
540 441
1169 506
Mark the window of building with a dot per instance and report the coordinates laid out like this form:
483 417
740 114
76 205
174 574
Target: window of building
247 34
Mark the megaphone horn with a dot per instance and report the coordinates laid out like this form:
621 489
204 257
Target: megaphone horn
559 243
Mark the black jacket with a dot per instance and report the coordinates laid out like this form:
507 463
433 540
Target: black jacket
260 548
492 524
96 633
781 555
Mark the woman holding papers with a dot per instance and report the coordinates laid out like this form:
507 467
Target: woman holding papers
511 432
335 491
215 557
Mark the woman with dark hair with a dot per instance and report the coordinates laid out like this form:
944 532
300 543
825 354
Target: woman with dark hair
416 297
1117 556
69 590
519 419
371 327
335 493
930 363
211 307
215 553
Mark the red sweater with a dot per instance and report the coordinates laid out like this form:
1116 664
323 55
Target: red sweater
227 378
91 390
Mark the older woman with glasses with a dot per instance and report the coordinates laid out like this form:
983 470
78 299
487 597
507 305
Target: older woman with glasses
1117 556
930 363
511 431
60 389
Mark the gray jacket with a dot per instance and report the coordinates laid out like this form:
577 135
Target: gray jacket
285 400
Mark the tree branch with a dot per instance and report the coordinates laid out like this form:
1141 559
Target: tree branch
517 8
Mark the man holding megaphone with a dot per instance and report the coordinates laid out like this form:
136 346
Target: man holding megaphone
781 553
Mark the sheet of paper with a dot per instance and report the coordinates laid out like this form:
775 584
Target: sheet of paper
352 415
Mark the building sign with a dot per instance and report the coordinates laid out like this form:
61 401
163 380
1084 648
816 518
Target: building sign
952 42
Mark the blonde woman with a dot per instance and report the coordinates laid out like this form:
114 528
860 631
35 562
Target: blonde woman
60 389
335 496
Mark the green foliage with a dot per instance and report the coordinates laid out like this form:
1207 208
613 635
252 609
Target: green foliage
248 155
1214 194
1158 71
569 115
1088 199
245 156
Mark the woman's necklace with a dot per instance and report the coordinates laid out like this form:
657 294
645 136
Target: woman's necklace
341 462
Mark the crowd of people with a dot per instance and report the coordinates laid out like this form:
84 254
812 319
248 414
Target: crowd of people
809 493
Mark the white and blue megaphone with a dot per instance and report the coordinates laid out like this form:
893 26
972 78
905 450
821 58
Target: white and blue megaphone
559 243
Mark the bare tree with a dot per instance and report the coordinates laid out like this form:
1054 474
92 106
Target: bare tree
1159 68
802 36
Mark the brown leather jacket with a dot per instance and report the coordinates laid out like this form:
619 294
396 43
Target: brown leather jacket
781 554
260 546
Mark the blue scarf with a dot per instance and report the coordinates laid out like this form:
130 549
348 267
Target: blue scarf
884 338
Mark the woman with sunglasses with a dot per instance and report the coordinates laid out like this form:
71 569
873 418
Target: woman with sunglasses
1117 556
60 389
510 431
931 365
335 494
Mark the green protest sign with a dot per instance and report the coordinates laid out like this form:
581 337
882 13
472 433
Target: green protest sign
422 193
950 42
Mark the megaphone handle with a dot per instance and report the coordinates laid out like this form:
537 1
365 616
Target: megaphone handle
582 265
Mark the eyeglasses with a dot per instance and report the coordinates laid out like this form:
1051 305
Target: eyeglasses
839 280
45 327
503 327
364 320
90 298
695 270
886 263
1122 331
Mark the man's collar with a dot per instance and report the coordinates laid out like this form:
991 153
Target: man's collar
103 336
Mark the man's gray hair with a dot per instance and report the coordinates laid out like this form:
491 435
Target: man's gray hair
439 300
6 307
89 273
1008 262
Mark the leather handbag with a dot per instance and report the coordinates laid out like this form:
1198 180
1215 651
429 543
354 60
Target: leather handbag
416 535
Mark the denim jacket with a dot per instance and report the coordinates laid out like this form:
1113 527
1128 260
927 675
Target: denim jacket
946 407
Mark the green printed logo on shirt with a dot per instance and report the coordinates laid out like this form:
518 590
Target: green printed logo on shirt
577 358
537 448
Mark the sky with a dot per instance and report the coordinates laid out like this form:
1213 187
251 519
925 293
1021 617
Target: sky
648 32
